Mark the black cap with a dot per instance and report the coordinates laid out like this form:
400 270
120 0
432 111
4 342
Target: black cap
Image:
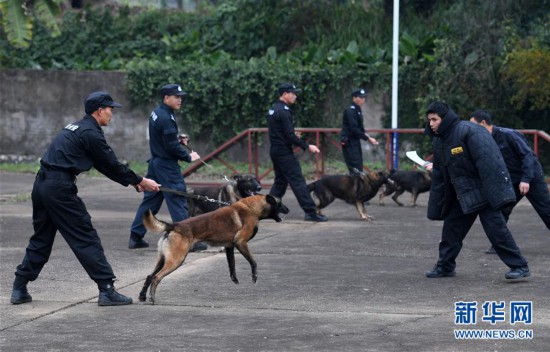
359 92
98 100
288 88
171 89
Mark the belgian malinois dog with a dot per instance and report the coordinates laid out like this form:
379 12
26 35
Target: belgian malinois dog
353 189
231 226
238 187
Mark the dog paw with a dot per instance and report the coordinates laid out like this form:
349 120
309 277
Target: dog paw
235 280
142 298
254 278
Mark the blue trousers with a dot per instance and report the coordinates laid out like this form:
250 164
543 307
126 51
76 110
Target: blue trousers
353 155
288 172
538 196
456 226
168 174
56 207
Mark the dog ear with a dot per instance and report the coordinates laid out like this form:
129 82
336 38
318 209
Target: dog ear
271 199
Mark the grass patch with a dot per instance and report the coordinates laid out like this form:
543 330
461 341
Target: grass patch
21 167
32 167
216 170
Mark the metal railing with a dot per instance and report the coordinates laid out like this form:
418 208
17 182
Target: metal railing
320 137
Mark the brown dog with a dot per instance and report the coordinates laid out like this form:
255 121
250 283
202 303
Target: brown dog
238 187
353 189
415 182
231 226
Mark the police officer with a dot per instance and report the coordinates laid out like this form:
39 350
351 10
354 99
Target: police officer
166 151
353 131
56 207
469 178
285 164
525 170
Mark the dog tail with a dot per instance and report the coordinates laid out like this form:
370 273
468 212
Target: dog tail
154 224
314 192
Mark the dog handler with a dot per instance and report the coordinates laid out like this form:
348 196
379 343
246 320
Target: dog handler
525 170
166 151
353 131
469 178
56 207
285 164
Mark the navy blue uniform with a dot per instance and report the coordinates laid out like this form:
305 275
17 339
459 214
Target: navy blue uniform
469 178
56 206
353 131
163 168
523 166
285 164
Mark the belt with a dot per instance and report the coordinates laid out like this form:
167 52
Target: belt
55 175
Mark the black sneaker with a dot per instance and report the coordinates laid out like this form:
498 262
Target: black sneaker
135 244
439 272
199 246
315 217
491 251
518 273
20 296
109 297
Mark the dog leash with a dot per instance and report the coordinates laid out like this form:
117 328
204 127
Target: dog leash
194 196
181 139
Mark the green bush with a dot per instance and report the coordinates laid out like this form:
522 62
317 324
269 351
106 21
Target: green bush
232 55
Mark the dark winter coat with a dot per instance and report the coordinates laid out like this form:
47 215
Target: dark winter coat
520 159
467 166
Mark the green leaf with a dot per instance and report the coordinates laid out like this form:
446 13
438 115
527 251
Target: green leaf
17 24
471 58
47 11
353 48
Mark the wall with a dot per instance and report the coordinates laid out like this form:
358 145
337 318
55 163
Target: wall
35 105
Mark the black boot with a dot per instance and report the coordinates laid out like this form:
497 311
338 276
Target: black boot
109 297
19 294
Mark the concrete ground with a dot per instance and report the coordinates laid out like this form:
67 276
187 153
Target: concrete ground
344 285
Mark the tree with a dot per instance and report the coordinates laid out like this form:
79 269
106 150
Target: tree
17 18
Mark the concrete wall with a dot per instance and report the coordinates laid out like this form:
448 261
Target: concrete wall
35 105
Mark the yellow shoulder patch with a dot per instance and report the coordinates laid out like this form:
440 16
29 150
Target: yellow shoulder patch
457 150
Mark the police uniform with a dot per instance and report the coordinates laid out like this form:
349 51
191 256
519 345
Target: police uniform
285 164
353 131
56 206
166 151
523 166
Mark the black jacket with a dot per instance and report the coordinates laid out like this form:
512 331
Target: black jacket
352 124
520 159
79 147
163 135
467 165
281 129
